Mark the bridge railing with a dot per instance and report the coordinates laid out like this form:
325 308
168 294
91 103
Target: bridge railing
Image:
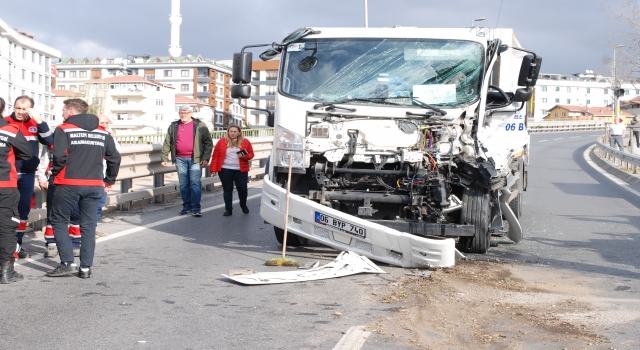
143 160
627 160
148 139
566 126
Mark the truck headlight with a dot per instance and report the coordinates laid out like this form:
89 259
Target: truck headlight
289 143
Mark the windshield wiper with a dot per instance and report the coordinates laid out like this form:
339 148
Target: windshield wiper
331 106
420 103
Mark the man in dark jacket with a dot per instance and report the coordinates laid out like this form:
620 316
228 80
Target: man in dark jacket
78 149
13 146
30 123
190 144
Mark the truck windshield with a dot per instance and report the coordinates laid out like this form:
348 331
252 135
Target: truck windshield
444 73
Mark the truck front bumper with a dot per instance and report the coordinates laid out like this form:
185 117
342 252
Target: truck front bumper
377 242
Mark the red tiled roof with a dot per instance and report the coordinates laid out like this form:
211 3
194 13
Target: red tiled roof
66 93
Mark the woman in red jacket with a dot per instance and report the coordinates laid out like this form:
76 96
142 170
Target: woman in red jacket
231 161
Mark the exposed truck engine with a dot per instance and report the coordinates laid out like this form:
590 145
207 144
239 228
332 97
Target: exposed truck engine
403 140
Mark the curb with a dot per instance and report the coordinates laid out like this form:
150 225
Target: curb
604 165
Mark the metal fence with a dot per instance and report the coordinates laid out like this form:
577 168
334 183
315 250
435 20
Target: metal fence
144 160
566 126
149 139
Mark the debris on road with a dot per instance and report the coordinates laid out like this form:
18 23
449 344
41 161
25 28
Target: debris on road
347 263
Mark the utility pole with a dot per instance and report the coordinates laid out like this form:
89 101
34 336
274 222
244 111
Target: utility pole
366 14
616 87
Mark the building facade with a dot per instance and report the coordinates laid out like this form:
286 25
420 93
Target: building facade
581 113
25 69
193 77
585 90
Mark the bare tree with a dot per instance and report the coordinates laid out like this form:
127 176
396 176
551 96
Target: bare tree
625 40
96 97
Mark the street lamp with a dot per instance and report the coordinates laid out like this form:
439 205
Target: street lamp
366 14
615 87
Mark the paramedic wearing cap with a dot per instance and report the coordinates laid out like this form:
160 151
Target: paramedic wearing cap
616 132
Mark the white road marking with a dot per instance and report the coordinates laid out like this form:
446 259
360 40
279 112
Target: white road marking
558 139
574 137
353 339
543 141
619 182
40 261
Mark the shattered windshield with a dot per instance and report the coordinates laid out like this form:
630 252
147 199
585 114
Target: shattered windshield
445 73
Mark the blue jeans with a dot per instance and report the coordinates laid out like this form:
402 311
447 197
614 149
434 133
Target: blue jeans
65 200
616 139
103 201
189 174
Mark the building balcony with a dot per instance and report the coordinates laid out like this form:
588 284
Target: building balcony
127 108
206 94
203 79
264 82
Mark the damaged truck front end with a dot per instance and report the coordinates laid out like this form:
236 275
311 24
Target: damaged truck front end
402 146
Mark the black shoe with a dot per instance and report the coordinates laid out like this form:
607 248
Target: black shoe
245 209
84 272
63 270
197 213
8 274
227 213
185 212
23 254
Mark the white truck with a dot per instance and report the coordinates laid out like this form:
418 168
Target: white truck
405 142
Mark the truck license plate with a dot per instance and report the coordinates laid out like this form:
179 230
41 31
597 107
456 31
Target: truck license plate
340 225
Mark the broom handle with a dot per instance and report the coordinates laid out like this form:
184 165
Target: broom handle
286 208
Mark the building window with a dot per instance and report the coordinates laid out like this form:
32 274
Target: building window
606 102
543 111
626 92
588 102
33 57
123 101
159 117
61 87
39 100
33 77
203 72
110 60
184 73
557 88
272 74
588 90
40 59
167 73
606 91
24 53
184 87
568 101
544 100
24 74
557 100
637 92
555 114
159 102
73 87
72 74
40 79
543 88
83 74
568 89
61 74
96 101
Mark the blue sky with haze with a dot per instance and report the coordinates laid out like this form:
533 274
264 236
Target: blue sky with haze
571 35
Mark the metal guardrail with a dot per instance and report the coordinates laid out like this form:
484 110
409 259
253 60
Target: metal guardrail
148 139
144 160
626 159
566 126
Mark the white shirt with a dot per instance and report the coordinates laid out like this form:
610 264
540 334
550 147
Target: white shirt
617 129
231 160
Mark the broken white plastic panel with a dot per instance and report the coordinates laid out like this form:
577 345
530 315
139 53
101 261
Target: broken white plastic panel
346 264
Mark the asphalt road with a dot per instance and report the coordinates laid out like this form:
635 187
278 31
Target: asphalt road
158 285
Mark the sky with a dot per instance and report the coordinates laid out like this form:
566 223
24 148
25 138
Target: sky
571 35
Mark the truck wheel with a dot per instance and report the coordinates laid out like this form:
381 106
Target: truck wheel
476 210
293 240
516 203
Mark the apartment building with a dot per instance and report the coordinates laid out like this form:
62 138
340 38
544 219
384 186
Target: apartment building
193 77
136 105
578 113
581 90
264 77
25 69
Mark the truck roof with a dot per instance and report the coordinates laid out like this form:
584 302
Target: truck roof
414 32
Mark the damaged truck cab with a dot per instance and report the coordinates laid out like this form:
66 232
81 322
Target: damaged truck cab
405 142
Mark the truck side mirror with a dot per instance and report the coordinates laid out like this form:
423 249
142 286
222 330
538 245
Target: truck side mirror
529 70
270 119
522 95
240 91
241 71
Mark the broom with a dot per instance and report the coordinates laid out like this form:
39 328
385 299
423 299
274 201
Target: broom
284 261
